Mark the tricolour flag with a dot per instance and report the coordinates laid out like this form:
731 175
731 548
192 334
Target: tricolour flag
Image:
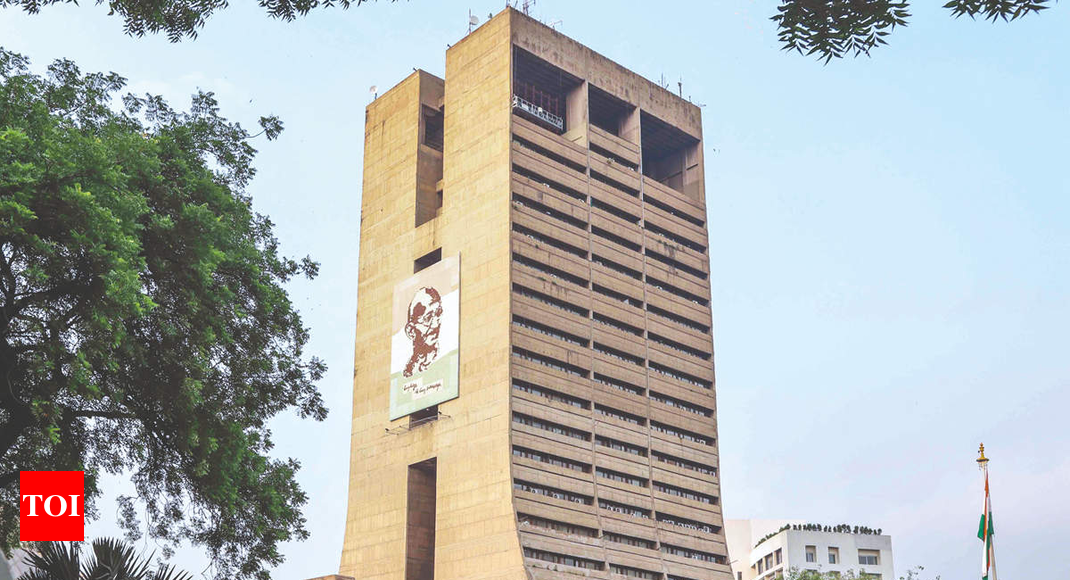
985 532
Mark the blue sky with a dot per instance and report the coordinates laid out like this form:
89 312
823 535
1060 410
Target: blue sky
890 245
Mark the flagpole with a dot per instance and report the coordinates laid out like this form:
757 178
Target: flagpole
989 556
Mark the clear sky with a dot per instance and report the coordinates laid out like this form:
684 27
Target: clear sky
889 245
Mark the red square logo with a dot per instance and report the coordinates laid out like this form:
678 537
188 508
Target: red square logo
51 506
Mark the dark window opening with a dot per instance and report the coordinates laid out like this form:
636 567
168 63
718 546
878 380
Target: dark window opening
614 210
420 521
560 159
423 416
542 92
611 114
432 257
670 156
433 127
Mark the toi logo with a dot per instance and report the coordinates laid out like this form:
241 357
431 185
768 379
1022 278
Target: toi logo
51 506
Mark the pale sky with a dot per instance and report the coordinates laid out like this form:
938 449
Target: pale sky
889 246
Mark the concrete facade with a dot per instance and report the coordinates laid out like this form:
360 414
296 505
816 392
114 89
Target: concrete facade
787 549
584 440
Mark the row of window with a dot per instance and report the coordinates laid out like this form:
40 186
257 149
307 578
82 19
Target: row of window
550 394
549 331
619 384
865 557
631 572
605 349
685 463
693 554
551 427
681 433
552 492
630 540
540 150
688 523
550 362
620 445
557 526
579 403
598 176
685 493
616 538
681 404
618 296
601 319
565 559
621 477
603 410
619 415
551 459
614 158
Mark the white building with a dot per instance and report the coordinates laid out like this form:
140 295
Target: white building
763 550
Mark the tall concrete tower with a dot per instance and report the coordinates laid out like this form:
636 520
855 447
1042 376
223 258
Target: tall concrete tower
533 394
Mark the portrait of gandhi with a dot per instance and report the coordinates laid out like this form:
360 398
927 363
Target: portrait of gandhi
422 327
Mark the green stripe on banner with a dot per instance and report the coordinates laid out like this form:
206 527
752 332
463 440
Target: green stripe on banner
981 528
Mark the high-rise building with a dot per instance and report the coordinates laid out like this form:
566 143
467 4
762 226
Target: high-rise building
770 549
533 393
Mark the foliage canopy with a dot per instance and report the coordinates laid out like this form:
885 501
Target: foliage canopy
144 326
833 28
108 559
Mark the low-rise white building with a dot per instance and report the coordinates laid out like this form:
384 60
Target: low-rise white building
763 550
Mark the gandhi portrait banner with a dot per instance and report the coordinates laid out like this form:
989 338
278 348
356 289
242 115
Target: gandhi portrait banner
424 338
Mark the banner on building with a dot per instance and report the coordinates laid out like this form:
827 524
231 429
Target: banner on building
424 335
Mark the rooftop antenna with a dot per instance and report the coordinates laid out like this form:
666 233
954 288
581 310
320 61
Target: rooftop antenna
680 86
526 7
473 20
555 24
374 90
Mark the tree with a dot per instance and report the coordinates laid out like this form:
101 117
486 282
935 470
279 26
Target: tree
795 573
181 19
110 559
834 28
144 326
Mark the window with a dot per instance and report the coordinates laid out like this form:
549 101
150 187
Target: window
768 561
620 445
420 521
686 523
685 493
629 540
623 509
681 433
634 572
550 394
557 526
551 427
551 492
811 554
563 559
684 463
760 569
834 555
551 459
693 554
779 556
621 477
619 415
426 260
869 557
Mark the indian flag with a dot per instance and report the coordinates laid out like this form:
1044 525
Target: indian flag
984 532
